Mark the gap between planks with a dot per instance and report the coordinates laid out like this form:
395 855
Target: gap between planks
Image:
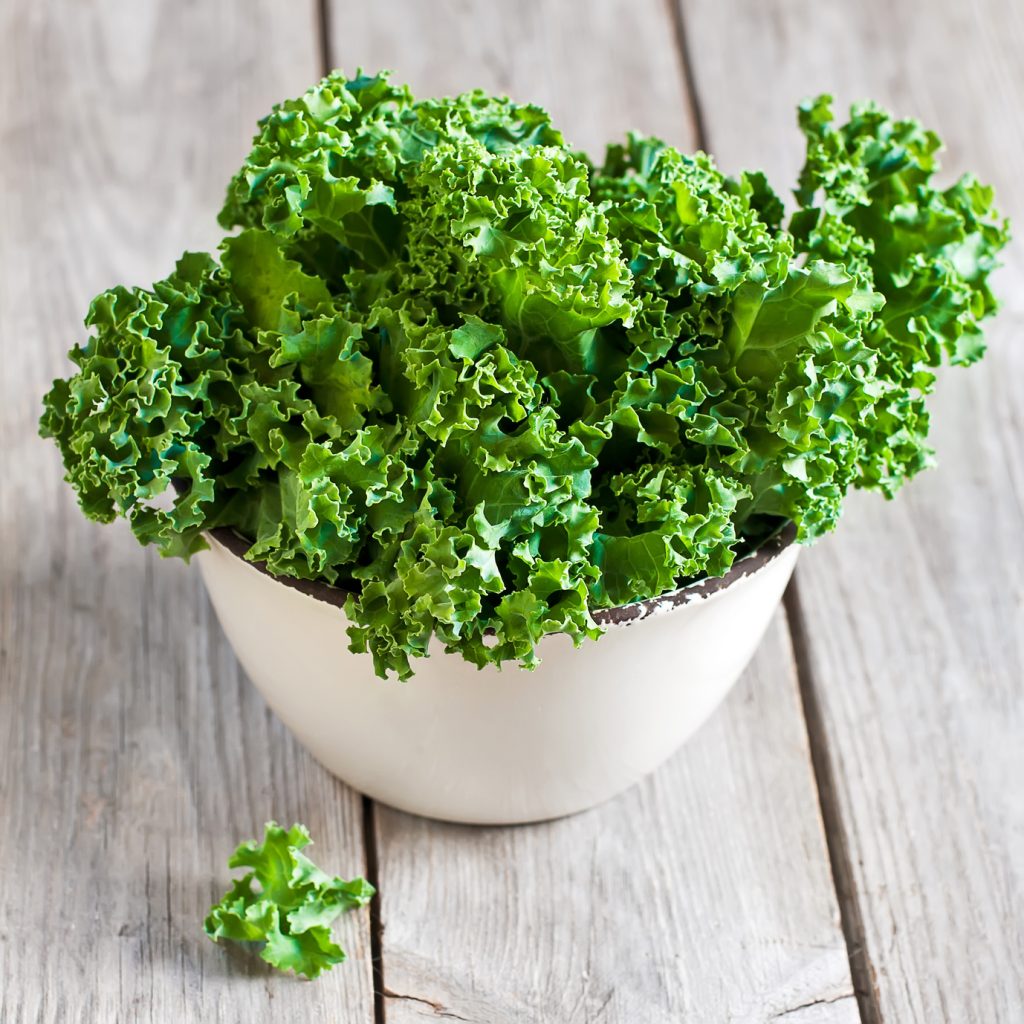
376 927
851 918
696 108
322 28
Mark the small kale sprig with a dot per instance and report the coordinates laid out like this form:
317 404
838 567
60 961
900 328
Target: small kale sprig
292 909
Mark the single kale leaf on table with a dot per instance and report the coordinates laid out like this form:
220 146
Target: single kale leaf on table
292 907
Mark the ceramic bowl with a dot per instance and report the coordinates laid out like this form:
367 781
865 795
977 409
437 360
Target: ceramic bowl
497 746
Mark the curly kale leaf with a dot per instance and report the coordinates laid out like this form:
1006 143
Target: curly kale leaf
285 903
487 387
868 200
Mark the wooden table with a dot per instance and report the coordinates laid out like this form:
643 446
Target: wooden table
844 841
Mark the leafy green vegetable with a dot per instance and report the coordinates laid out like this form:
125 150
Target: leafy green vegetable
487 387
292 910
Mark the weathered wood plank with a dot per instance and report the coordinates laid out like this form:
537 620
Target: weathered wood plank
705 893
133 753
599 68
913 612
702 894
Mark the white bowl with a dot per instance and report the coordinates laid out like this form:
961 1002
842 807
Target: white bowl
489 746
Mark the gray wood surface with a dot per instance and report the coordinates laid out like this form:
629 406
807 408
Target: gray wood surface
600 68
705 893
913 611
133 753
702 894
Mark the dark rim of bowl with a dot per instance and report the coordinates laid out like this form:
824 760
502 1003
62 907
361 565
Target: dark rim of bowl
766 552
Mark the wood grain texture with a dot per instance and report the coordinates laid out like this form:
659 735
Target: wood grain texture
133 754
600 67
913 612
702 894
705 893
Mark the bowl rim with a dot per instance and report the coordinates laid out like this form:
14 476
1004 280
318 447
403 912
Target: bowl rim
620 615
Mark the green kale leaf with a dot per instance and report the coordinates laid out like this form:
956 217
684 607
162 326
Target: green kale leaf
487 387
291 909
